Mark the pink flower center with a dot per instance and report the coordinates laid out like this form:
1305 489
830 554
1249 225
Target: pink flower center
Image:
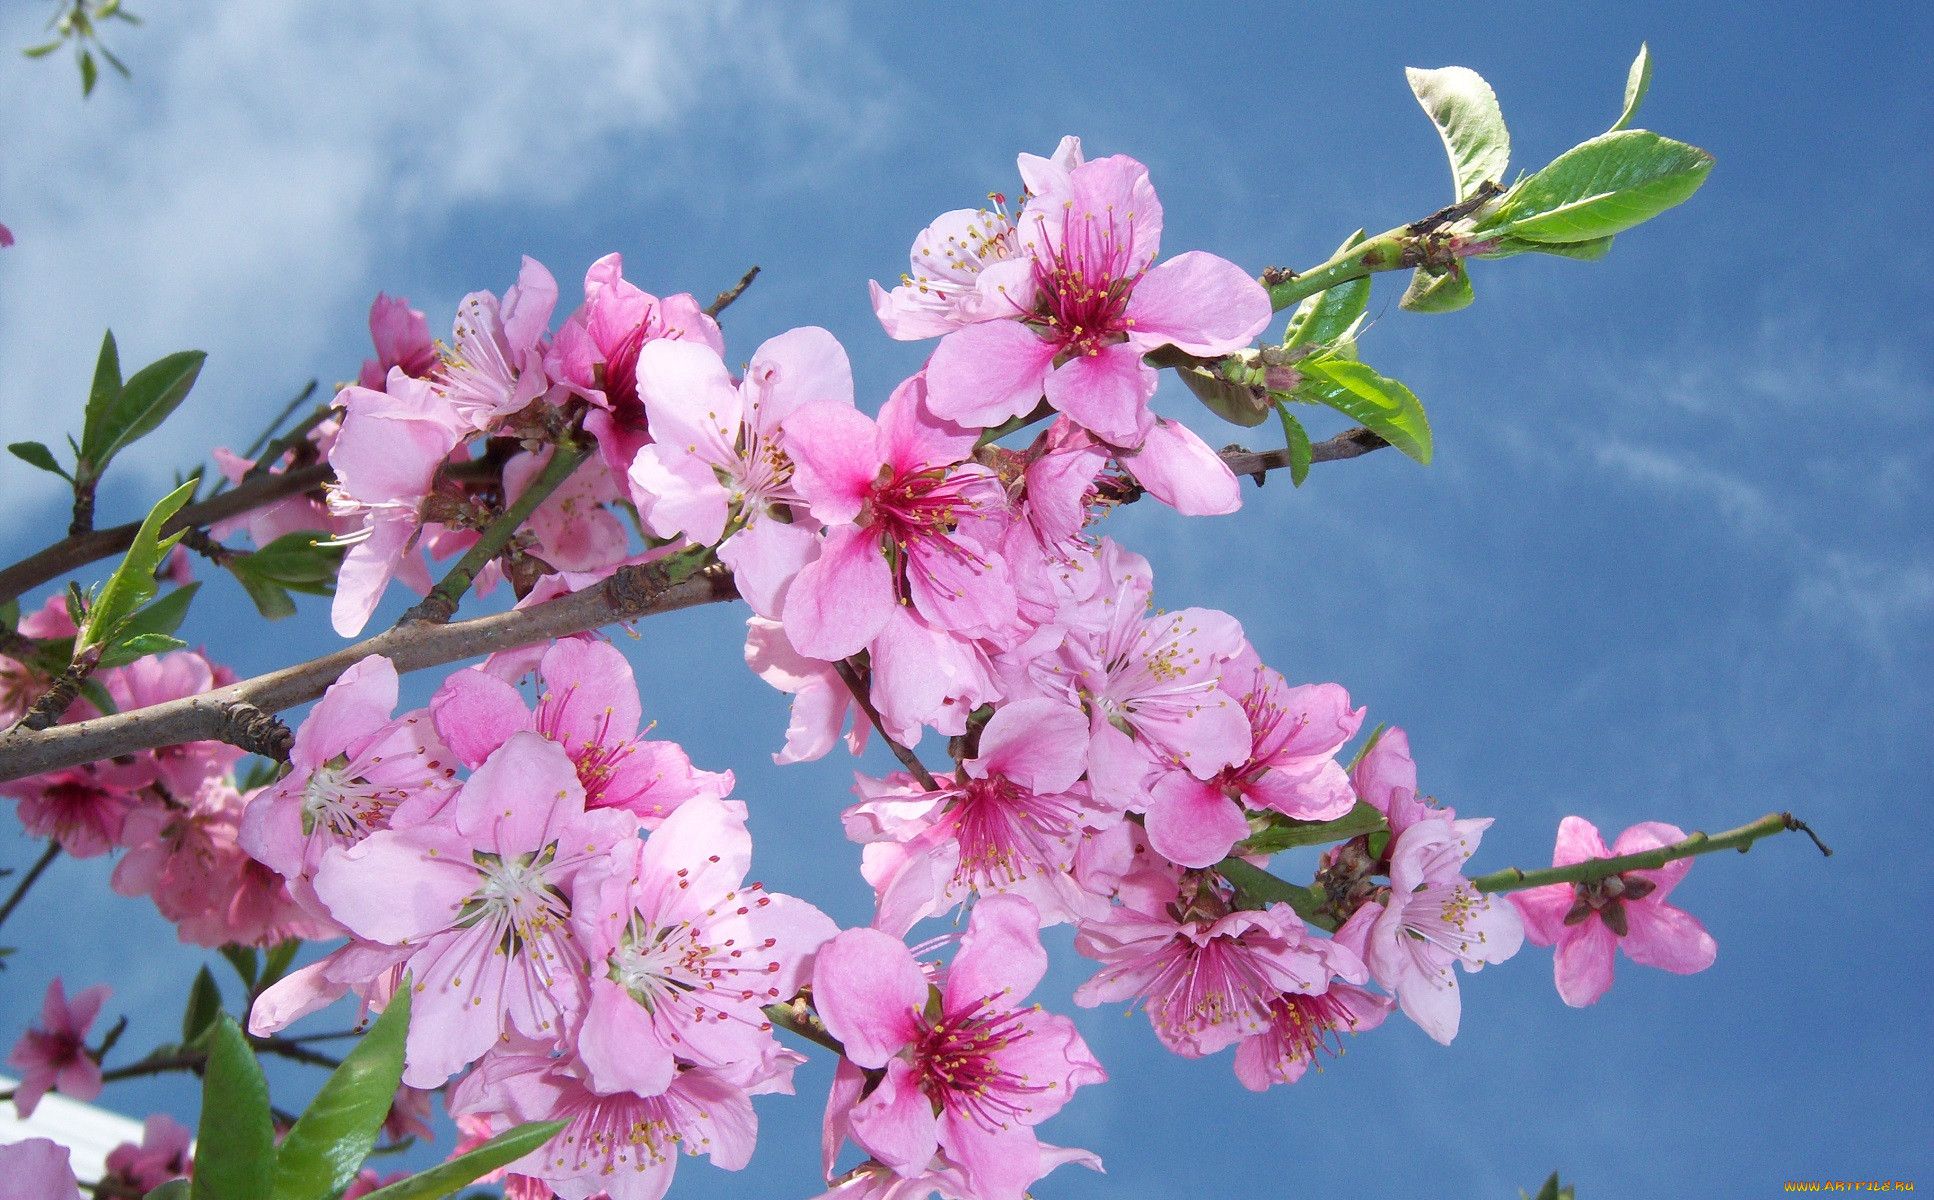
685 968
958 1061
621 377
916 516
1302 1025
1008 833
1083 280
1607 898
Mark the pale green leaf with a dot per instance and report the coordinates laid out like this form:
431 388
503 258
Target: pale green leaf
1603 186
1438 290
1328 315
132 583
1465 111
1382 405
147 398
1637 82
1299 448
35 454
447 1177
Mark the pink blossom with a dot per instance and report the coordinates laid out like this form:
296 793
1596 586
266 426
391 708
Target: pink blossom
161 1156
6 237
37 1168
367 1181
720 468
874 1180
402 339
1178 468
1207 976
1303 1023
685 956
1011 820
619 1145
1435 918
494 366
1291 768
911 521
923 675
386 457
1095 308
294 514
572 528
596 353
85 808
1626 912
159 678
967 1071
352 769
53 1054
590 707
821 700
482 899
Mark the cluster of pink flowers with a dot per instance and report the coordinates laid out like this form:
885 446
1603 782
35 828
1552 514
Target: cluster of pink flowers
176 812
566 898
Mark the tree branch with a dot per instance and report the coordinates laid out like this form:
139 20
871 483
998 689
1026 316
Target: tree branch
1513 879
70 554
726 297
27 881
862 697
225 713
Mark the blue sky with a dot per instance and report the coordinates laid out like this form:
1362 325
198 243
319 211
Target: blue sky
1673 561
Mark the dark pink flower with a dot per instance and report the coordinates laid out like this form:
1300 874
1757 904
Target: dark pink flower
53 1054
910 520
161 1156
84 808
968 1070
402 339
1627 911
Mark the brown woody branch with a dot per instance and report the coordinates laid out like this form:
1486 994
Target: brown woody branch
240 712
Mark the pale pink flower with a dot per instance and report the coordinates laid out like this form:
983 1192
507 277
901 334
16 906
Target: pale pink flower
494 365
293 514
969 1071
1435 918
53 1054
402 339
719 467
572 529
821 702
1095 309
923 675
410 1114
352 769
685 957
910 519
621 1146
386 458
1627 911
874 1180
482 899
37 1168
161 1156
596 353
589 706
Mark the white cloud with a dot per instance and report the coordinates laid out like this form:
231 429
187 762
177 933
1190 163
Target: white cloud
239 193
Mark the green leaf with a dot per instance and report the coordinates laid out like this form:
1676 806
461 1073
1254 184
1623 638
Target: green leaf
441 1180
204 1005
278 959
42 50
1236 403
36 455
1592 251
101 397
1465 111
1298 438
132 583
1438 290
337 1131
1328 315
235 1146
295 559
1638 81
174 1189
271 599
1382 405
141 645
244 959
166 614
1283 834
145 401
89 74
1604 186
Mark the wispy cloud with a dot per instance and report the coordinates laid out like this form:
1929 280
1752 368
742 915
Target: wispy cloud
266 158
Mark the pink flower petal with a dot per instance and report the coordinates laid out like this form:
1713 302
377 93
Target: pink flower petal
1583 964
897 1121
1199 303
988 373
1106 392
1190 822
869 991
1180 470
1671 939
1000 956
841 600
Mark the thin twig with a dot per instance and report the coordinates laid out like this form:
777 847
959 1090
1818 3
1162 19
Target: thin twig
1513 879
262 439
72 553
908 758
726 297
45 860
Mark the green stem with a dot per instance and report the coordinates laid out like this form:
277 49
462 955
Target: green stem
1384 252
1255 886
1512 879
798 1018
441 604
27 881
